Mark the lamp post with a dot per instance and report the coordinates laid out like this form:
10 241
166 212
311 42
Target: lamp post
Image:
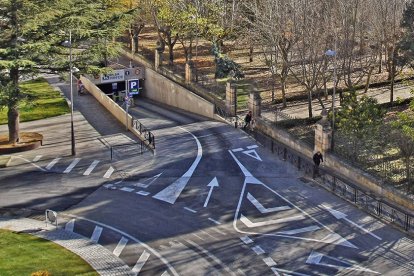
332 53
72 130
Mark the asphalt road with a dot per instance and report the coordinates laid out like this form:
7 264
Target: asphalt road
211 201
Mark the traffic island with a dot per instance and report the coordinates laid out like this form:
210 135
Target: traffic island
27 141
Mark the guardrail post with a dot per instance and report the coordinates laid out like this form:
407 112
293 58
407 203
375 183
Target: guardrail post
379 208
111 152
407 222
355 195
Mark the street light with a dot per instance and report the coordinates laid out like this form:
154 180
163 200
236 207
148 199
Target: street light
332 53
68 43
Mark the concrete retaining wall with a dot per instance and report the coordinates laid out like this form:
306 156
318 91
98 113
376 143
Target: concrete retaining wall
341 169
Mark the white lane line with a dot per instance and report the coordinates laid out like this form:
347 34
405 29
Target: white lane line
276 272
172 192
258 250
251 224
253 147
37 158
70 225
300 230
190 210
121 245
141 262
147 182
246 240
143 193
269 261
219 231
237 150
109 172
215 221
208 234
264 210
96 234
198 237
211 256
72 165
52 163
126 189
165 273
91 167
287 272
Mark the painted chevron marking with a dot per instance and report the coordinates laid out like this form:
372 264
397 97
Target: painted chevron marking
96 234
251 224
72 165
52 163
141 262
264 210
70 225
91 167
121 245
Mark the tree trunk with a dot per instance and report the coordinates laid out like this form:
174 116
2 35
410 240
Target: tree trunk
13 123
283 83
251 53
171 53
310 103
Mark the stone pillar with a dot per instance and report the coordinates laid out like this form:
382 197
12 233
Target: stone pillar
323 134
231 98
189 68
255 103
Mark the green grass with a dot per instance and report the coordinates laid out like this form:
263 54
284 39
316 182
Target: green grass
41 102
23 254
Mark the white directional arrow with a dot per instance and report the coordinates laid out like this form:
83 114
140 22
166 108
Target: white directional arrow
340 215
315 258
212 184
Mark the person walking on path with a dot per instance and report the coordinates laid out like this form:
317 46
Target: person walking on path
317 159
247 119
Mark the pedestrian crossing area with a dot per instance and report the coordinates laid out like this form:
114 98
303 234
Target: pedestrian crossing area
81 166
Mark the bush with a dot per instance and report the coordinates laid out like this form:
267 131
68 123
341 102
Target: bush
41 273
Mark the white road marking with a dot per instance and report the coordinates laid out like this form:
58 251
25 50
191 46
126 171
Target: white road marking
334 238
212 184
250 179
339 215
96 234
165 273
70 225
126 189
211 256
219 231
150 249
28 161
208 234
108 186
269 261
277 272
198 237
141 262
253 147
237 150
300 230
143 193
91 167
72 165
264 210
52 163
246 240
287 272
147 182
253 153
215 221
258 250
251 224
37 158
315 258
190 210
172 192
109 172
121 245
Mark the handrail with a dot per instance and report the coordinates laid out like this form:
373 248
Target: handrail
141 143
148 135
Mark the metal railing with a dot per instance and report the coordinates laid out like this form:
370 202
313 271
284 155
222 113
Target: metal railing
139 144
376 206
148 135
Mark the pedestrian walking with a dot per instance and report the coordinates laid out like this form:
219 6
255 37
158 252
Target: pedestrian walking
317 159
247 119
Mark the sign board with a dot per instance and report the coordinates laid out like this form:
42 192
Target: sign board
115 76
133 87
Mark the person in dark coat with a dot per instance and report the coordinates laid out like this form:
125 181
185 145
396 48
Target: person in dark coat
247 119
317 159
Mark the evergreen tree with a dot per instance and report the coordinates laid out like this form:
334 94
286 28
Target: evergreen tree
32 32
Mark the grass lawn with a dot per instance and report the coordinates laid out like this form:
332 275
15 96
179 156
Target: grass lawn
23 254
42 102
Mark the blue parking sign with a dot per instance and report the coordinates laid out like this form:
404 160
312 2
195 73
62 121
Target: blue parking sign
133 87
